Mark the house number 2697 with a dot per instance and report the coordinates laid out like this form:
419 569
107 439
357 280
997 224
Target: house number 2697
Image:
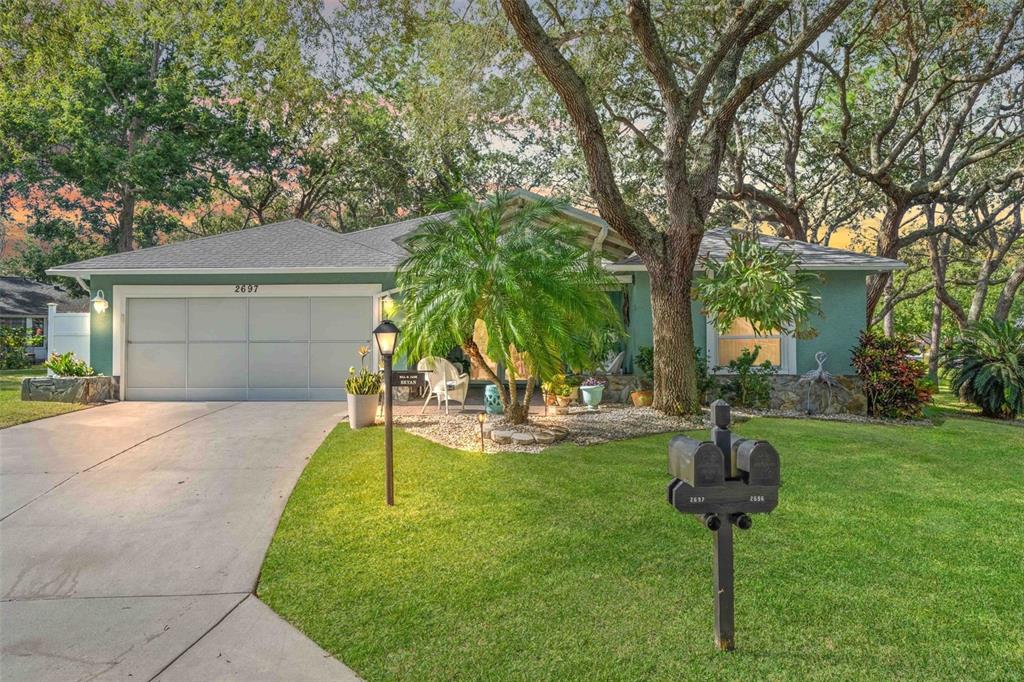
246 288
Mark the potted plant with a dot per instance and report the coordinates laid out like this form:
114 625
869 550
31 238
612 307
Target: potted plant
593 389
363 393
644 396
551 388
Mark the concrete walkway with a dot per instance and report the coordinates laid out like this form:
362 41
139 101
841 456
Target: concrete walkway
131 539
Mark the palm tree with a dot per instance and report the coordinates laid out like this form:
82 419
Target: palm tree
521 272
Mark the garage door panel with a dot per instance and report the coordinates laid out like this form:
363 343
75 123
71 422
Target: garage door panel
156 319
156 365
217 319
159 394
216 394
278 319
217 365
278 394
278 365
341 319
327 394
329 363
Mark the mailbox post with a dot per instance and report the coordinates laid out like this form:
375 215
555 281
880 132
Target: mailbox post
722 482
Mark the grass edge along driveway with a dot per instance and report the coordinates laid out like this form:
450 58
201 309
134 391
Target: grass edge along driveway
13 410
896 552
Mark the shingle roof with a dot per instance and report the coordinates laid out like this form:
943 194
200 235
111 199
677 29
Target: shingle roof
292 244
715 245
22 296
295 245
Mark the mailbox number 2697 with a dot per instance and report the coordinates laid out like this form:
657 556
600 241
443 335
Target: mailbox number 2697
696 500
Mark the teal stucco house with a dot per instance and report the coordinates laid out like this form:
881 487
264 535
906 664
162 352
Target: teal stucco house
279 311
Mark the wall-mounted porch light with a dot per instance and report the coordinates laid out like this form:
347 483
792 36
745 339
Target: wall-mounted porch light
99 302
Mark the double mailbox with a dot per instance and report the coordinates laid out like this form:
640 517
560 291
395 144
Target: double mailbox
724 476
722 481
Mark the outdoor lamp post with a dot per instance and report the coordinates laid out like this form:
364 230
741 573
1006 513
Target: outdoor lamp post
386 335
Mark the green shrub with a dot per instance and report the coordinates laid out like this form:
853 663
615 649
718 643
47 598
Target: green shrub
894 382
986 364
751 382
67 365
645 363
707 387
13 342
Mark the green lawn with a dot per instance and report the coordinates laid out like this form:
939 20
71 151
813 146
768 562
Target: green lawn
14 411
896 552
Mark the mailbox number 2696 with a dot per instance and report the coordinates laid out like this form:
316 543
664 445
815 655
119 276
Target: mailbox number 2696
757 498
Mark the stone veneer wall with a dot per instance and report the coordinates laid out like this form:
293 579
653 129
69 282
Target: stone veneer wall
70 389
789 395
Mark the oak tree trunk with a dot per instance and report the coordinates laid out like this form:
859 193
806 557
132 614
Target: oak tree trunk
935 340
675 367
1006 296
126 223
887 247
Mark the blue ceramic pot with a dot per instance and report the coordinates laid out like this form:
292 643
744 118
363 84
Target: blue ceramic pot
492 400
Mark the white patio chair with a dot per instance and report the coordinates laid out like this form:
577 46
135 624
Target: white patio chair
444 382
614 364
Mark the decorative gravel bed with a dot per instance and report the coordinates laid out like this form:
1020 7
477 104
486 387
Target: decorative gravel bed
579 426
585 427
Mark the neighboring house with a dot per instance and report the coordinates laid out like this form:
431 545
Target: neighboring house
23 304
279 311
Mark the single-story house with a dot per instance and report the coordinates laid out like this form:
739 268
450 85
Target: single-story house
24 305
279 311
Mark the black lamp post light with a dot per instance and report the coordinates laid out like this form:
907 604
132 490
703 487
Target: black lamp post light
386 335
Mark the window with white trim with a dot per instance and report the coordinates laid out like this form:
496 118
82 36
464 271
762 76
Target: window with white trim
777 347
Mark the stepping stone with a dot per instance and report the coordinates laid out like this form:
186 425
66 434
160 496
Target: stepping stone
544 437
499 436
523 438
557 430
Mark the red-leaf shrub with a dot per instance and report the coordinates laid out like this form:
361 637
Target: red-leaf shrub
894 382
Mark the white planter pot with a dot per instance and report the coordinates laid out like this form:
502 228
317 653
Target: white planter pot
592 396
362 410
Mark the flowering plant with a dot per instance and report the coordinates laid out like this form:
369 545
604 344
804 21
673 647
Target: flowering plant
592 381
364 382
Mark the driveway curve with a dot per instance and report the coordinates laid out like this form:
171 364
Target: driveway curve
131 539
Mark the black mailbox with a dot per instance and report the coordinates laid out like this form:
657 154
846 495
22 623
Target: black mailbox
697 463
721 482
758 461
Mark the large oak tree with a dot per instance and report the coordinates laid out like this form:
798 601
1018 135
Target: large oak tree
700 63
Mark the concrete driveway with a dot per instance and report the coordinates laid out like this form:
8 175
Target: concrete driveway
132 537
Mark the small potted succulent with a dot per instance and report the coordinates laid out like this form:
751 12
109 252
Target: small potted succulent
593 390
363 389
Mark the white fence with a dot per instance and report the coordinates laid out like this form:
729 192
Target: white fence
67 332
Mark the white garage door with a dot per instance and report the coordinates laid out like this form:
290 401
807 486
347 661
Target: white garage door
272 348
